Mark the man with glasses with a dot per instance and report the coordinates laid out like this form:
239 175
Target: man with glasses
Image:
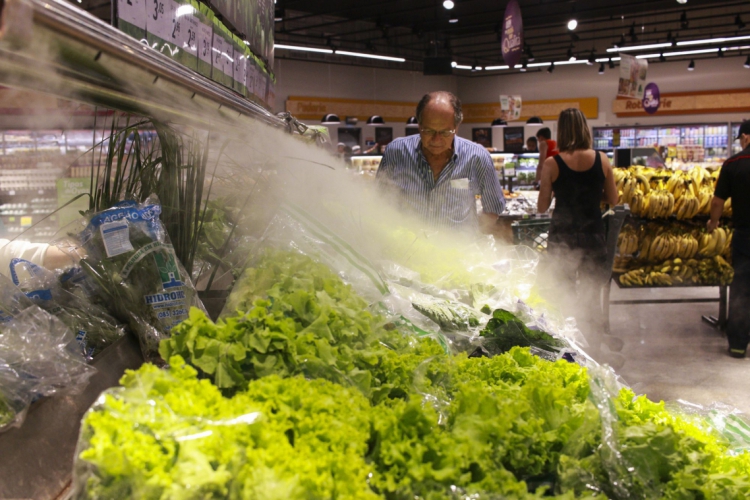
437 174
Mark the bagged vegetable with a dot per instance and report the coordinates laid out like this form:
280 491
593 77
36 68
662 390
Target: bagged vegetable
134 267
94 328
38 357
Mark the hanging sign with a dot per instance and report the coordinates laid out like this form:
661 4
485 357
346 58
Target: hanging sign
651 101
512 42
632 76
510 107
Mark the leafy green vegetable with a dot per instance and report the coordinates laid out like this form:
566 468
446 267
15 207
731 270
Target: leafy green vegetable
449 315
505 330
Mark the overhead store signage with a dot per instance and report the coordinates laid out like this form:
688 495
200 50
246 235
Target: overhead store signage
689 103
632 76
512 40
313 108
651 98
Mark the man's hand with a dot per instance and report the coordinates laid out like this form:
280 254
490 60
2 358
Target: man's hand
711 225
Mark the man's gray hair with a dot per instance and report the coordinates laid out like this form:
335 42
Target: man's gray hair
458 115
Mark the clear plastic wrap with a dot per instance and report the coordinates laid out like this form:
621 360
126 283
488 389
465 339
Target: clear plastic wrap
94 328
38 357
132 265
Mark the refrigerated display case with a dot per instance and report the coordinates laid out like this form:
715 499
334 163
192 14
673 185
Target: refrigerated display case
515 170
713 137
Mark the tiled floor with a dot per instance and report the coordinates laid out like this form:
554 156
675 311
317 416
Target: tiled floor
671 354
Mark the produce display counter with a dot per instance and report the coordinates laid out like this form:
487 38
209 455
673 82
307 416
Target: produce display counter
37 458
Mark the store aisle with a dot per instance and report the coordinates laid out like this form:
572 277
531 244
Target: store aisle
671 354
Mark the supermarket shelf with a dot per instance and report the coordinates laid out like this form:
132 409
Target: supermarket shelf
71 54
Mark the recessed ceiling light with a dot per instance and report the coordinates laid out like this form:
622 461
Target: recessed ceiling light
453 19
747 62
691 66
572 24
448 4
682 1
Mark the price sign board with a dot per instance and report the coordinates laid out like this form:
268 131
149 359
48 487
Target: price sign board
131 18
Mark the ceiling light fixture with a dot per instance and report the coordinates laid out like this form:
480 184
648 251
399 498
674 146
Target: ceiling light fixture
590 60
713 40
747 62
535 121
690 52
631 33
302 49
453 19
721 53
572 24
460 66
330 119
499 122
601 69
684 23
369 56
375 121
523 66
691 66
412 122
454 64
640 47
551 68
491 68
448 4
739 23
611 64
662 58
571 56
683 2
529 54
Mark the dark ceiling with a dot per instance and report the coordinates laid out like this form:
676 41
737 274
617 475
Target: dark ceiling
417 28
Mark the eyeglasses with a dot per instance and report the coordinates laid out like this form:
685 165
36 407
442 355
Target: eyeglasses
445 134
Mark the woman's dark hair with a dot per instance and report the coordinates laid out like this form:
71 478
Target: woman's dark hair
458 115
544 133
572 131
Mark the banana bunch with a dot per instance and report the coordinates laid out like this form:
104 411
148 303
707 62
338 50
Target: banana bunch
629 182
639 277
659 204
715 271
627 241
687 206
621 263
705 195
716 243
662 247
687 246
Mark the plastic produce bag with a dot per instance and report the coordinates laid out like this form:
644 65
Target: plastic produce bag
132 264
38 357
94 328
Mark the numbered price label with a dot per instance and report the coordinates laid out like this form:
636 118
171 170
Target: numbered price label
132 14
160 21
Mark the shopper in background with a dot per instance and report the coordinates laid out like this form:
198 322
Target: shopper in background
532 145
547 149
581 179
437 174
734 183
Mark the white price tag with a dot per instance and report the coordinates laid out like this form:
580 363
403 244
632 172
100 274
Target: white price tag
239 68
228 59
217 50
189 26
133 12
250 77
160 18
205 33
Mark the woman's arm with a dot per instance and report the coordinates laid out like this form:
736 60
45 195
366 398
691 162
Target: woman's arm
610 195
542 155
549 175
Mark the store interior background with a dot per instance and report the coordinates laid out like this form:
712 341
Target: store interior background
316 79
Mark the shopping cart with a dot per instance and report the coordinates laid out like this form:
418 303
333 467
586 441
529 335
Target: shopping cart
531 233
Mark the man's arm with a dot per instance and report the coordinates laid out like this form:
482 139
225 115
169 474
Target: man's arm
721 194
493 201
717 207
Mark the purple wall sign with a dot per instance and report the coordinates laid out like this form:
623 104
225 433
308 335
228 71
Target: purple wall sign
651 100
512 44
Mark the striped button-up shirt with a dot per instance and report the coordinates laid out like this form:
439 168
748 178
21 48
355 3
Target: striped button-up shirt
450 201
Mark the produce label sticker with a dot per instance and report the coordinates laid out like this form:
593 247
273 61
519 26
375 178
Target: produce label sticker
116 237
131 17
171 305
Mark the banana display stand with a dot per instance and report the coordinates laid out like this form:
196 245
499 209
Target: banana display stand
664 244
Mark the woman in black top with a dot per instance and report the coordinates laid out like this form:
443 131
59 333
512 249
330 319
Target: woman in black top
580 179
